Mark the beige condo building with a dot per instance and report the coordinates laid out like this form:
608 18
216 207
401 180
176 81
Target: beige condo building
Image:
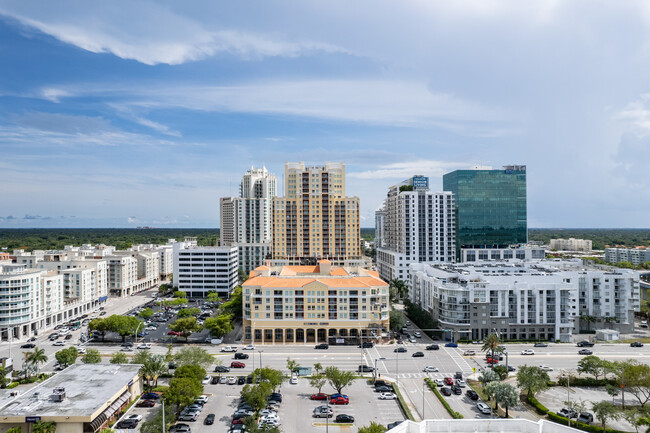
315 304
315 220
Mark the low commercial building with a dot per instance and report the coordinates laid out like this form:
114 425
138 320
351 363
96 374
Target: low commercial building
309 304
83 398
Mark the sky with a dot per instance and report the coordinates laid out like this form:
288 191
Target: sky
144 113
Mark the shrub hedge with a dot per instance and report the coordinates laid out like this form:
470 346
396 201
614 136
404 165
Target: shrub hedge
434 389
586 381
539 407
402 403
581 426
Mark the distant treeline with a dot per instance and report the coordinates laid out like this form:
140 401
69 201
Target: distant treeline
51 239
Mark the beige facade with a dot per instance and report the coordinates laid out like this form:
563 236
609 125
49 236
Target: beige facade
315 220
315 304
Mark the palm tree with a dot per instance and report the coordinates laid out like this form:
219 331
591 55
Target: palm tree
152 369
491 343
399 287
36 357
588 320
610 319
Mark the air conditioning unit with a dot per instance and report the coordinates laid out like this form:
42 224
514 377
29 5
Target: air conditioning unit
58 394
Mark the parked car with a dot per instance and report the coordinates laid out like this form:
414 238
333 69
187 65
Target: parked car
585 352
528 352
384 389
400 350
393 424
545 368
319 396
439 382
458 375
150 396
323 412
417 334
585 417
541 345
471 394
483 408
174 333
68 337
387 396
241 356
209 420
202 399
445 391
339 400
237 364
457 390
276 396
344 418
180 428
432 347
293 380
206 380
126 424
215 380
636 344
567 413
449 381
451 345
461 383
232 380
135 417
644 323
322 346
146 403
59 343
469 353
381 383
241 380
585 343
430 369
249 347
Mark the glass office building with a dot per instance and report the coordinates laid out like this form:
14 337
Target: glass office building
490 206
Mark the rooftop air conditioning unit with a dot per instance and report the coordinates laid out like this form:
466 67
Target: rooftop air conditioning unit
58 394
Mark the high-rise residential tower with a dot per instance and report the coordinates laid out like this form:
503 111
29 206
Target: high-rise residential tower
418 226
246 220
490 206
315 220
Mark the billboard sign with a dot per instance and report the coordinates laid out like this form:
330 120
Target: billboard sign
420 182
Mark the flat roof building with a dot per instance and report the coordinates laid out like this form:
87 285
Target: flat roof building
83 398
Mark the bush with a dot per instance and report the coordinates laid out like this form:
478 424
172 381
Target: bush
434 389
12 385
402 403
587 381
539 407
597 428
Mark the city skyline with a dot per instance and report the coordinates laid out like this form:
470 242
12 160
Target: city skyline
154 112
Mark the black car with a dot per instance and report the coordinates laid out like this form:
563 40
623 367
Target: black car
471 394
541 345
381 383
344 418
209 420
393 424
457 389
383 389
276 396
241 380
417 354
322 346
249 379
445 391
215 380
172 365
367 345
365 369
458 375
221 369
400 350
585 352
636 344
432 347
28 346
126 424
68 337
241 355
511 368
585 343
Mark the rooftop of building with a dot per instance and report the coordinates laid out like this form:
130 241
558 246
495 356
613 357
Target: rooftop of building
88 387
299 276
482 425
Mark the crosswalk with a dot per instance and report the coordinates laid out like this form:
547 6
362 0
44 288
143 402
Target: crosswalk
422 375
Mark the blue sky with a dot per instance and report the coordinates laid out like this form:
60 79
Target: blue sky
128 113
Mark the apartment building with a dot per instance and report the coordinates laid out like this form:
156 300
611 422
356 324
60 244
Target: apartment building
571 244
315 303
418 226
538 300
515 252
380 224
200 270
245 221
315 220
636 256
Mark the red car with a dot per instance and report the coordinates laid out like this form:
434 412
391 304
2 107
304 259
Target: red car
449 381
237 364
319 396
339 400
492 361
173 333
146 403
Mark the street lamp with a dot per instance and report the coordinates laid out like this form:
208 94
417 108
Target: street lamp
567 373
374 373
135 334
260 352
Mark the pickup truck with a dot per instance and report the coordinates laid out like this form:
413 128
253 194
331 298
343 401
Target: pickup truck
229 349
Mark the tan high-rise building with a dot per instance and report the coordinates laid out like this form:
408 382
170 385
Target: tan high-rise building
315 220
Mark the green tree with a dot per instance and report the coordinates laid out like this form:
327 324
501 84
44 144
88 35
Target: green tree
613 391
14 430
194 356
4 380
36 357
234 304
586 318
167 303
141 357
241 276
147 313
605 411
398 287
318 381
491 344
502 371
396 320
532 380
169 356
119 358
593 365
66 357
487 376
213 297
155 425
292 365
91 356
163 288
188 312
318 367
504 394
272 376
192 371
180 294
186 326
153 367
635 376
44 427
123 325
220 325
338 379
372 428
99 326
257 395
183 390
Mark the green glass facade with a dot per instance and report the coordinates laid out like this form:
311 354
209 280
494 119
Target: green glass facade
490 207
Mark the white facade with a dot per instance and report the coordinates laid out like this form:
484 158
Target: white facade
418 226
494 425
199 270
245 221
571 244
122 275
518 252
636 256
525 300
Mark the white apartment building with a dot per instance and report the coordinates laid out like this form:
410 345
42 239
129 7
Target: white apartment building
245 221
199 270
571 244
418 226
538 300
85 279
515 252
636 256
122 275
380 224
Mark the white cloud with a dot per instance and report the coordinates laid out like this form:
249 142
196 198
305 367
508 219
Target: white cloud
403 170
132 220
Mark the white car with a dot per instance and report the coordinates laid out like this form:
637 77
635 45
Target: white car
59 343
439 382
202 398
271 416
223 380
267 411
249 347
483 408
413 340
269 422
144 346
229 349
545 368
81 350
206 380
528 352
136 418
232 380
294 380
418 335
461 383
430 369
150 328
387 396
126 349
